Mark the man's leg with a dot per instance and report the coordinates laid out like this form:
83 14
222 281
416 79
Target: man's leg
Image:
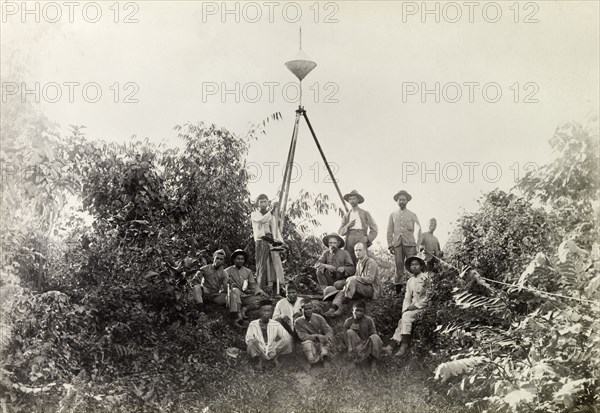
353 341
355 289
219 299
253 349
324 278
263 251
235 300
399 259
311 351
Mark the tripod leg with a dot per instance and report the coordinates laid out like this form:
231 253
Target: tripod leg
325 160
287 175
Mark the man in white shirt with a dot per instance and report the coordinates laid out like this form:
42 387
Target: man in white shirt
415 300
269 269
266 338
288 309
357 225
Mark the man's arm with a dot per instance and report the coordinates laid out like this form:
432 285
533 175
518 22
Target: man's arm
370 272
419 237
349 268
326 328
390 232
259 218
344 226
373 230
301 329
372 329
322 261
407 296
250 333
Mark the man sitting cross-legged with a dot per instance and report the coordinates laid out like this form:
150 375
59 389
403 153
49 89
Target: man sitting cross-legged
365 284
266 338
243 291
314 333
210 282
362 340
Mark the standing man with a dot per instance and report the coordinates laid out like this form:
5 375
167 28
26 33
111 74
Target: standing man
362 340
269 270
314 333
357 225
210 282
431 245
415 300
335 264
365 284
401 235
266 338
243 291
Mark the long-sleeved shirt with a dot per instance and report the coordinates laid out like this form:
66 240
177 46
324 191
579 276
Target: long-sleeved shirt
417 291
341 258
274 330
285 308
308 329
366 326
236 278
431 245
214 280
367 224
367 272
261 224
401 228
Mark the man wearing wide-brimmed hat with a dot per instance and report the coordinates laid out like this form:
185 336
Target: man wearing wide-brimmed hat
243 293
335 264
416 299
401 235
357 225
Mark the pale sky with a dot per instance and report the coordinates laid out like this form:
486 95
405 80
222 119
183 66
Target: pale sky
176 52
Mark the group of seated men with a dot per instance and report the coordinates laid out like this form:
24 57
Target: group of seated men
291 319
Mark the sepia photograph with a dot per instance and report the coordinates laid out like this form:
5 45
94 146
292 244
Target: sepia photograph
300 206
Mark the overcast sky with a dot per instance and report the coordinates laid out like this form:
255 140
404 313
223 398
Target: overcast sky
508 74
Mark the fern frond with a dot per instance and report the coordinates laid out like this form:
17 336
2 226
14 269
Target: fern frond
466 300
454 368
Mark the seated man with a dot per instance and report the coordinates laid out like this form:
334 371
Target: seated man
365 284
210 282
244 293
315 334
361 336
415 299
288 308
266 338
335 264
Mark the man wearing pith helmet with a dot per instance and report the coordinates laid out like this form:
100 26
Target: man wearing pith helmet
357 225
401 235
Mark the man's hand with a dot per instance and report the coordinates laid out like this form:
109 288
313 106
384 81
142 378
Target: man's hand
341 270
262 294
323 338
275 205
330 267
351 224
410 308
286 319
